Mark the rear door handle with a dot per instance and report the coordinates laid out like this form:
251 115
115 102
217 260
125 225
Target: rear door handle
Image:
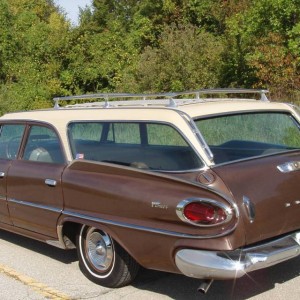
50 182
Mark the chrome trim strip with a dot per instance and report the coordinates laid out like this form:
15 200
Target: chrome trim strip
35 205
198 134
289 167
143 228
181 205
234 264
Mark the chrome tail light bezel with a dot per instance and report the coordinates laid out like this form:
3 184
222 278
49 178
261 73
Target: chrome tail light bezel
229 212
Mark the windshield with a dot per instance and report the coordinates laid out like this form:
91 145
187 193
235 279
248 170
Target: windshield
240 136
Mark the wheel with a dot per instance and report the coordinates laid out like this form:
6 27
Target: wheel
104 261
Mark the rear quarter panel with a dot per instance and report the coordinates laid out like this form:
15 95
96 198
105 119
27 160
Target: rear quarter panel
120 199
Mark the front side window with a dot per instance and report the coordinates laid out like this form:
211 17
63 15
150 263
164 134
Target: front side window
10 140
143 145
43 145
240 136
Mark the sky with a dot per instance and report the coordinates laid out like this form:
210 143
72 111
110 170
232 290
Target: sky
71 8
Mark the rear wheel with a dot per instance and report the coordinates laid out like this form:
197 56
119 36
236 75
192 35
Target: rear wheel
104 261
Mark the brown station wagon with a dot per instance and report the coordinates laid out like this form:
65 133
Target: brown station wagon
199 183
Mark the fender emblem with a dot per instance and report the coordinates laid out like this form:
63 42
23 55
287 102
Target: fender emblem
159 205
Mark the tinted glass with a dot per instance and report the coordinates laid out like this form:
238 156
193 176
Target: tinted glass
10 140
245 135
136 144
43 145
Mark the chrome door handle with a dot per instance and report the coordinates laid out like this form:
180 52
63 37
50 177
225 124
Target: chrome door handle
2 174
290 166
50 182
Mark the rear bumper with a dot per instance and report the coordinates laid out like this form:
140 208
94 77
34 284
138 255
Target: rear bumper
234 264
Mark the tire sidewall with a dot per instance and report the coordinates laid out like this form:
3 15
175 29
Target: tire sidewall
111 278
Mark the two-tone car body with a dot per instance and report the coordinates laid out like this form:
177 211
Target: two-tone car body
205 187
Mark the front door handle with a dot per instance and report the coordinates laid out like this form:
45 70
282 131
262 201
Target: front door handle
290 166
2 174
50 182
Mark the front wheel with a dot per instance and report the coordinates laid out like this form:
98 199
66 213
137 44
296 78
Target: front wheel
104 261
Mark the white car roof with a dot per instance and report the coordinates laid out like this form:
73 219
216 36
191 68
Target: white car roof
168 110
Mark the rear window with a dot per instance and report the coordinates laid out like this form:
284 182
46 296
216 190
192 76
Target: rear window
142 145
240 136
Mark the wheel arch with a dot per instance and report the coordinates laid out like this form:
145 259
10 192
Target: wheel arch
69 227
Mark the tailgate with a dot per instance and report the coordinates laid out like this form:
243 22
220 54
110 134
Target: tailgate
273 195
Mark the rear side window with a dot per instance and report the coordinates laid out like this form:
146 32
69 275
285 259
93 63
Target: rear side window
246 135
10 140
136 144
124 133
164 135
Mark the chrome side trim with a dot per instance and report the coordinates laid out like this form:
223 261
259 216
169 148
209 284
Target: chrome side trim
181 205
235 264
143 228
35 205
198 134
289 167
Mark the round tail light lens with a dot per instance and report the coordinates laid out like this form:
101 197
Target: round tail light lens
203 212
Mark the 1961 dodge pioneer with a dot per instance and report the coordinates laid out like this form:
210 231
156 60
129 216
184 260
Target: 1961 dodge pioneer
199 183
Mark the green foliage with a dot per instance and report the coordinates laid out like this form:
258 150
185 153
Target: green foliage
34 46
187 58
145 45
262 43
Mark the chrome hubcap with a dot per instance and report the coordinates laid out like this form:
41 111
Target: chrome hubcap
99 249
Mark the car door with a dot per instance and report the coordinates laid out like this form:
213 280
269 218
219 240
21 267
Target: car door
34 189
10 140
267 192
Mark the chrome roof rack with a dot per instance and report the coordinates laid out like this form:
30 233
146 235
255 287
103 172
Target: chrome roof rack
165 99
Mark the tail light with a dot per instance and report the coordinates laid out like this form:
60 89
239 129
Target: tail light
203 212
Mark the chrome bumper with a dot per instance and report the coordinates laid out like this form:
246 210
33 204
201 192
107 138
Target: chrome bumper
235 264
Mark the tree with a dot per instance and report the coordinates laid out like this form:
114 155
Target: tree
187 58
262 47
35 46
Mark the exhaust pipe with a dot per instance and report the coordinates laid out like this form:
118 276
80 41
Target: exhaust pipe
205 285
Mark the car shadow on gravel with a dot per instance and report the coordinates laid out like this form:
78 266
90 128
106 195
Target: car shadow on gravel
65 256
179 286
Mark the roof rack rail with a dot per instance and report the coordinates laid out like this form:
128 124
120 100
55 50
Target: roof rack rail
167 99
